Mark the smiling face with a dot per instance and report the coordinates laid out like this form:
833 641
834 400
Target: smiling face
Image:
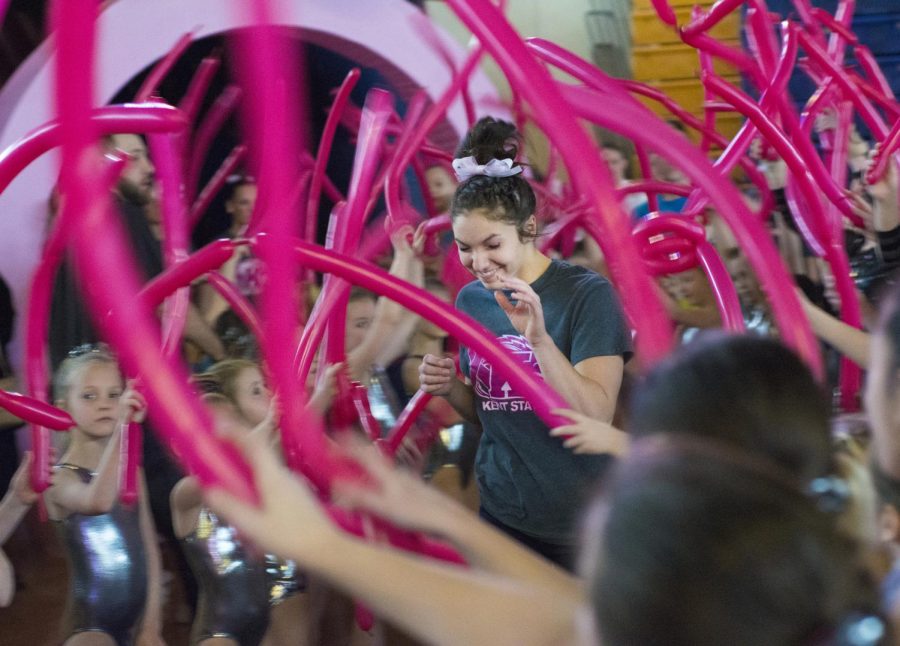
93 398
490 249
251 395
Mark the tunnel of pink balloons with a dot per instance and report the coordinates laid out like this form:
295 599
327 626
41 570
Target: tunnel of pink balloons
387 147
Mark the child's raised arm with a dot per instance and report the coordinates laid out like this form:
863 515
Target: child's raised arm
435 602
18 498
393 325
407 501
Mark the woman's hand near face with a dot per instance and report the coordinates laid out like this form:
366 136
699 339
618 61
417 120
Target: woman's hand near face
527 314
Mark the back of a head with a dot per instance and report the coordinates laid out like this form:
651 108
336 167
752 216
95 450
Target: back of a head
749 391
696 543
507 199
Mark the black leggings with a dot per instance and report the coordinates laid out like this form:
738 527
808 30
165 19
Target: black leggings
562 555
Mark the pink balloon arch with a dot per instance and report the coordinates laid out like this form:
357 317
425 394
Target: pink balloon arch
267 100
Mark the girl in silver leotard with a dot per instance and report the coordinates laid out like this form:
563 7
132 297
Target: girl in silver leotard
111 547
108 567
234 586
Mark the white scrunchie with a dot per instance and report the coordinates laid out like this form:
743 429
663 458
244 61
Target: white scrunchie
467 167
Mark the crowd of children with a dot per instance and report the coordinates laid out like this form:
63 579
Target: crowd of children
714 504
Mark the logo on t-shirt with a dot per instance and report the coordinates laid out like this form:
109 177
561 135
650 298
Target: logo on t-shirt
494 390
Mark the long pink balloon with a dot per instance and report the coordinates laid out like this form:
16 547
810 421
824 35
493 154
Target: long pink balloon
35 411
229 165
325 142
718 12
763 256
37 324
813 223
695 235
413 409
176 236
113 119
272 108
151 83
200 82
236 302
212 123
369 147
130 462
209 258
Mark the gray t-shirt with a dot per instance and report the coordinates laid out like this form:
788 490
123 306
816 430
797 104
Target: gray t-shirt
526 478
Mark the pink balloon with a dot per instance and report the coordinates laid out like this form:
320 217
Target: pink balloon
665 12
229 165
736 57
113 119
324 151
864 107
207 259
711 18
407 146
394 176
130 461
212 123
35 411
413 409
760 37
353 523
200 82
272 108
870 67
350 223
363 411
151 83
176 236
723 288
810 224
747 165
883 155
236 302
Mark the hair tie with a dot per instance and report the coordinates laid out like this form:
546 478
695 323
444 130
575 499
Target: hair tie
466 167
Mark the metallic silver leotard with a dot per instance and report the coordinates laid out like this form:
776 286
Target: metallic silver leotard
109 568
234 588
285 580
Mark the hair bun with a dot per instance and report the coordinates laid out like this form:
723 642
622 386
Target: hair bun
488 139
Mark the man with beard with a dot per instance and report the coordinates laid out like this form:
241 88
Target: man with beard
70 324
